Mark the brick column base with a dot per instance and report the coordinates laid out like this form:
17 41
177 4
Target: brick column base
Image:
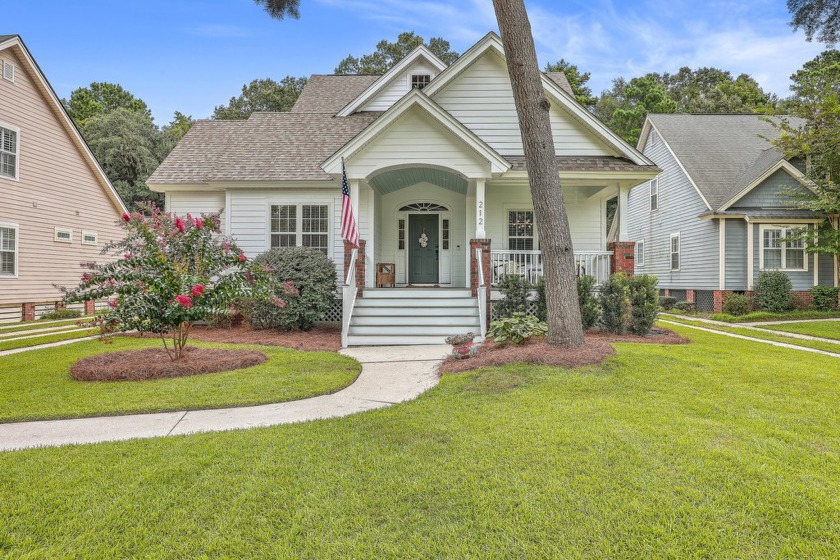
360 265
27 311
90 307
719 298
484 245
623 255
690 296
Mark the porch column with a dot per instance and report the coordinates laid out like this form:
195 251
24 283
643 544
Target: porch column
623 234
354 198
480 210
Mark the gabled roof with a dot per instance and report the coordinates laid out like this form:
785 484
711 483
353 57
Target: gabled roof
15 43
419 52
561 80
416 98
330 93
721 154
266 147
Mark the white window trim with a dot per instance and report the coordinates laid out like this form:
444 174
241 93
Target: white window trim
3 70
411 79
671 251
16 130
535 236
640 249
299 224
783 247
63 230
90 233
654 191
15 227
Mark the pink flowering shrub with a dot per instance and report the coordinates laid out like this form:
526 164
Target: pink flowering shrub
174 272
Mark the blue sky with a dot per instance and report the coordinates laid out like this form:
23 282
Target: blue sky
191 55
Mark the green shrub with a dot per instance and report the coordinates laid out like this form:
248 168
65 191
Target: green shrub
590 307
539 302
644 303
307 284
737 304
686 306
772 291
824 298
614 304
667 302
517 329
515 290
62 314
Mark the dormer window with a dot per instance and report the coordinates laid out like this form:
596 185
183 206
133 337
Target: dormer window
420 81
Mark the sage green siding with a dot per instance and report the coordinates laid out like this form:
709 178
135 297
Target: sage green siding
771 193
736 254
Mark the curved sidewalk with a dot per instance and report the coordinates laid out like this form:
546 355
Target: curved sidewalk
390 374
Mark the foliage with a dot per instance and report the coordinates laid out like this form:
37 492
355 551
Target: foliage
819 18
590 307
824 298
460 339
387 54
517 329
772 291
306 282
62 314
279 9
515 290
172 132
614 304
264 95
168 273
667 302
577 80
686 306
625 107
100 98
540 303
737 304
644 303
758 316
126 144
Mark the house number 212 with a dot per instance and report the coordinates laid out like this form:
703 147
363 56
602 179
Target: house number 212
481 212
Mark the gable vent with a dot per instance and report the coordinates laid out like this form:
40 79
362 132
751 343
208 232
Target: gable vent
8 71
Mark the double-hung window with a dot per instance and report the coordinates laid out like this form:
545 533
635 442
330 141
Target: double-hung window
781 250
9 150
300 225
640 254
675 251
521 230
654 193
8 249
420 81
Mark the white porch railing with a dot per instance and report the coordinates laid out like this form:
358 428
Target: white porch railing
348 297
482 292
529 264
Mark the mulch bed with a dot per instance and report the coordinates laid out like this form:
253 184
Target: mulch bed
596 349
154 363
319 338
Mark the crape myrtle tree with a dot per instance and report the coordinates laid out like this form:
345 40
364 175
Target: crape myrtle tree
169 272
563 313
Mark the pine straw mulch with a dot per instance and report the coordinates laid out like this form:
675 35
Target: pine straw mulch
596 349
154 363
321 337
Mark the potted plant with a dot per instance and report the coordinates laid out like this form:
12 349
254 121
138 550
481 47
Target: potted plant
462 345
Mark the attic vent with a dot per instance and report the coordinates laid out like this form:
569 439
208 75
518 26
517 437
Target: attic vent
420 81
8 71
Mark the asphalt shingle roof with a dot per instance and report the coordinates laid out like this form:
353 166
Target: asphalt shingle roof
329 94
586 163
6 37
562 81
721 153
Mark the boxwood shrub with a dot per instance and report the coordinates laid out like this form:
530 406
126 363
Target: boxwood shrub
644 303
824 298
737 304
772 291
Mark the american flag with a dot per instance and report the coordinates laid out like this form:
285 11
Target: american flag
349 232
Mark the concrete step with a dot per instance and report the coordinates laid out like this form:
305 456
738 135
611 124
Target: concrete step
395 340
411 330
409 320
415 302
425 293
401 311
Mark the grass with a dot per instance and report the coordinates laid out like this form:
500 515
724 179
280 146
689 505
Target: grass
762 335
21 327
824 329
36 384
46 338
716 449
759 316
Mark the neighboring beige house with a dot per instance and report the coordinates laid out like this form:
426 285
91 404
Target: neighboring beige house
57 207
437 177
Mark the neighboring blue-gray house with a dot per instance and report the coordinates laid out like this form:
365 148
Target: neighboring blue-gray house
719 212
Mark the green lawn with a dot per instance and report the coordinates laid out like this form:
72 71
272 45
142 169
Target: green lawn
824 329
34 325
717 449
761 334
37 384
46 338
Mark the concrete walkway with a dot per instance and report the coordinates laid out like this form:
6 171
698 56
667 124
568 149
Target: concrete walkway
390 375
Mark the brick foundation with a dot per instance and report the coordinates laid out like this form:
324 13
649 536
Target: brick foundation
360 265
623 256
90 307
484 245
27 311
690 296
719 298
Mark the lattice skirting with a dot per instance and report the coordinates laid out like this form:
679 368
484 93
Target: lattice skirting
334 313
531 309
680 295
704 300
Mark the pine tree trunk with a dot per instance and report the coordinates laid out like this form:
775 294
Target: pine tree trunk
564 323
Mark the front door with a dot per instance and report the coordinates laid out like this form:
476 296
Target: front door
423 249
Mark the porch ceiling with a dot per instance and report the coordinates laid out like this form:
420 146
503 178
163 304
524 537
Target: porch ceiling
396 179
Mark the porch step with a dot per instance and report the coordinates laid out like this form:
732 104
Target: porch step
396 340
410 320
401 311
403 293
373 301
